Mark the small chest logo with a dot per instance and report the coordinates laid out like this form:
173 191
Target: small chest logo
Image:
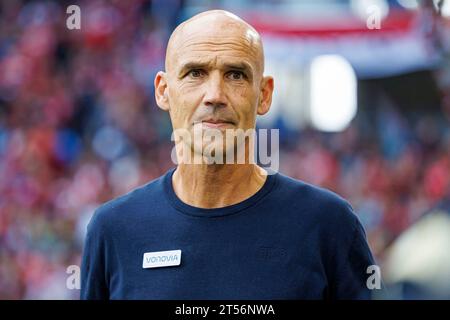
271 253
161 259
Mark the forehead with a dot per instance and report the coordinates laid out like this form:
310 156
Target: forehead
218 42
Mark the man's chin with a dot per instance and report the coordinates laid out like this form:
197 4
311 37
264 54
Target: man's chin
216 153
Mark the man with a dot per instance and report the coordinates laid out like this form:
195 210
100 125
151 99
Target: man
222 230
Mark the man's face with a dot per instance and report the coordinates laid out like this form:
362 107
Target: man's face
214 78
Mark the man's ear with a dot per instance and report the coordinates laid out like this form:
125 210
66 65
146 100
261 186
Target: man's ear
161 91
265 99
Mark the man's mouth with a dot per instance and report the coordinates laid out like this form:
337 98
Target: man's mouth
216 123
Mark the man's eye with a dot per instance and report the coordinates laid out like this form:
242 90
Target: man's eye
236 75
195 73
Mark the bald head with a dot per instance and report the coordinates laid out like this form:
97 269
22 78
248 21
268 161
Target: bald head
214 28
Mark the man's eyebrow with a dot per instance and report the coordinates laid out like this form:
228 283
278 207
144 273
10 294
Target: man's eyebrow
191 65
242 66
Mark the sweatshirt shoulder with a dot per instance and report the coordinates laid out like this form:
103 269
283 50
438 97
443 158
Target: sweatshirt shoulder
321 202
120 208
306 191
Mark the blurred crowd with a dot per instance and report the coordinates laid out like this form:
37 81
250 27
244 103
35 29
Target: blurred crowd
79 126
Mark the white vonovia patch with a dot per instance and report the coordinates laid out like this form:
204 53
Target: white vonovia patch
161 259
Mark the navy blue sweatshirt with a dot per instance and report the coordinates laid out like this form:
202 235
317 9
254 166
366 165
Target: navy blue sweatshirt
290 240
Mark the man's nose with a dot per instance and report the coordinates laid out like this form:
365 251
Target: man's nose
215 94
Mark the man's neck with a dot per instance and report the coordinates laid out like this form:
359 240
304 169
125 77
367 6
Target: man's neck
216 186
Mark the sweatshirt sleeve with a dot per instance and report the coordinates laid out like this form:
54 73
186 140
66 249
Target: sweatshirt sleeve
352 273
94 285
